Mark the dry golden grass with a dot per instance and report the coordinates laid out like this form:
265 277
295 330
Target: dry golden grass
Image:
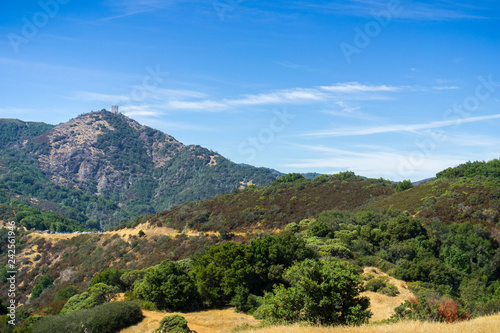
150 230
490 324
214 321
383 306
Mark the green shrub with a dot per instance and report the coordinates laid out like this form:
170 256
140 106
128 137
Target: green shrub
128 279
223 234
169 287
110 276
320 292
106 318
403 227
174 324
345 176
376 284
403 186
31 320
97 294
75 302
65 293
383 286
389 290
44 282
334 249
243 301
319 229
289 178
292 228
219 271
474 199
441 309
304 223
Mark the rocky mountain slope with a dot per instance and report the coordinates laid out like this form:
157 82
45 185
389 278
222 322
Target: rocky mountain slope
111 160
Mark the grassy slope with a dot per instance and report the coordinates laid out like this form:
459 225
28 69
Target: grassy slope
460 200
269 208
274 206
75 260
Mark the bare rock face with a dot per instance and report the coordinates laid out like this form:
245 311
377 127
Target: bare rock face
85 171
80 150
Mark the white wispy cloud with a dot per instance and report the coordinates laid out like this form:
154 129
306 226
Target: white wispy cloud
205 105
288 96
347 107
356 87
400 128
296 95
445 87
144 110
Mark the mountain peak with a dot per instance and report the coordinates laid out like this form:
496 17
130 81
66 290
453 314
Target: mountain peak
99 145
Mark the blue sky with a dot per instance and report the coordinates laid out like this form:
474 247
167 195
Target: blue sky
393 89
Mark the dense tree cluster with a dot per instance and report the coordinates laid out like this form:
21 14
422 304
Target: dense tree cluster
451 259
403 185
490 169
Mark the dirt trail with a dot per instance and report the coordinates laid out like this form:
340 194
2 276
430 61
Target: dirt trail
381 305
147 228
150 230
213 321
